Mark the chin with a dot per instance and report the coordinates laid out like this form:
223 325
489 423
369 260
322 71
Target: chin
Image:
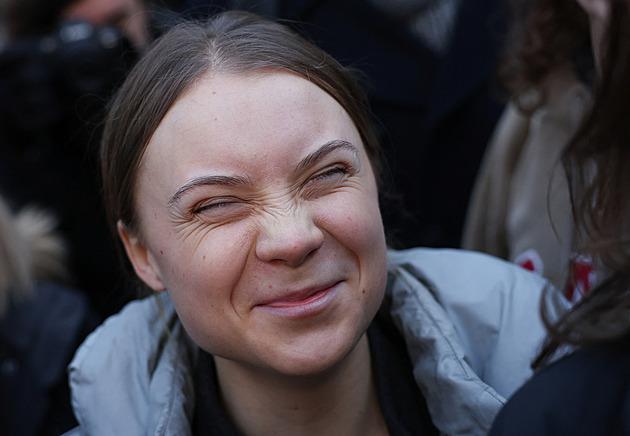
316 356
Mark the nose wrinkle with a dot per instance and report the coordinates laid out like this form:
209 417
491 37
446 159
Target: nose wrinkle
289 236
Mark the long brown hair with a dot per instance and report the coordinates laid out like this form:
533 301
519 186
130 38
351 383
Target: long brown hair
545 35
597 164
230 42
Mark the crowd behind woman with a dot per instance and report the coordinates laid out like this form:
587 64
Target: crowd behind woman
240 171
588 390
42 322
568 81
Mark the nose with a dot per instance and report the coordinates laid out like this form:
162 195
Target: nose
288 236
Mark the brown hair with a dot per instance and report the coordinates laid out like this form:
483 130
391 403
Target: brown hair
230 42
597 164
545 35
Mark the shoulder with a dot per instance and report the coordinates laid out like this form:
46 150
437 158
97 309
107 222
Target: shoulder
565 96
471 326
137 332
134 323
492 307
137 361
451 269
48 327
587 392
38 337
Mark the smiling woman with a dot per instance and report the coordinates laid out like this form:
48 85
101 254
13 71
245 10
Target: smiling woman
240 173
287 211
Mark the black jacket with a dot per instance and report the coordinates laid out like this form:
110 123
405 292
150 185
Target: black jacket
38 338
586 393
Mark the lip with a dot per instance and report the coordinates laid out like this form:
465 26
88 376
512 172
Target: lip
301 304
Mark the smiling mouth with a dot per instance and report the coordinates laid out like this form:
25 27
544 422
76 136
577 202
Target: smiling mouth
298 300
301 304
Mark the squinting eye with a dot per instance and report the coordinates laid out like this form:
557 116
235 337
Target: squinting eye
335 171
326 181
214 206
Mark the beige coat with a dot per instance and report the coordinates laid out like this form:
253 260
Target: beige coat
520 209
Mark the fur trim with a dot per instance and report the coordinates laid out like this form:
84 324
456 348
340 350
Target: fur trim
30 251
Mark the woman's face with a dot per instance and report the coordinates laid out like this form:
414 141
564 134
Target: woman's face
259 214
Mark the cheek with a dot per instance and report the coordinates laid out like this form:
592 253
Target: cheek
196 256
201 276
203 266
358 228
354 221
354 218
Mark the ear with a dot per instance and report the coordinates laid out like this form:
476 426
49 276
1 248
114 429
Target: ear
141 258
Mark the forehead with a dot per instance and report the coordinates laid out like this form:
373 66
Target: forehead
228 119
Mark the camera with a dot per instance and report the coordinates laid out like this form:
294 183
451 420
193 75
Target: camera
88 59
67 75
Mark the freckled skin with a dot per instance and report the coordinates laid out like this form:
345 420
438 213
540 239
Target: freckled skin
224 249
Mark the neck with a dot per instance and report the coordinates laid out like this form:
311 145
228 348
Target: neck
341 401
599 20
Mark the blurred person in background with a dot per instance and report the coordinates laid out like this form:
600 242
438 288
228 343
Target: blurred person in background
28 18
42 322
520 208
61 61
583 381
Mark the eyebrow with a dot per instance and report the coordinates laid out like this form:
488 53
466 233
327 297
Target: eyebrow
307 162
323 151
208 181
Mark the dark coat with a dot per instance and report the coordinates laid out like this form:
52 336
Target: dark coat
38 338
586 393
